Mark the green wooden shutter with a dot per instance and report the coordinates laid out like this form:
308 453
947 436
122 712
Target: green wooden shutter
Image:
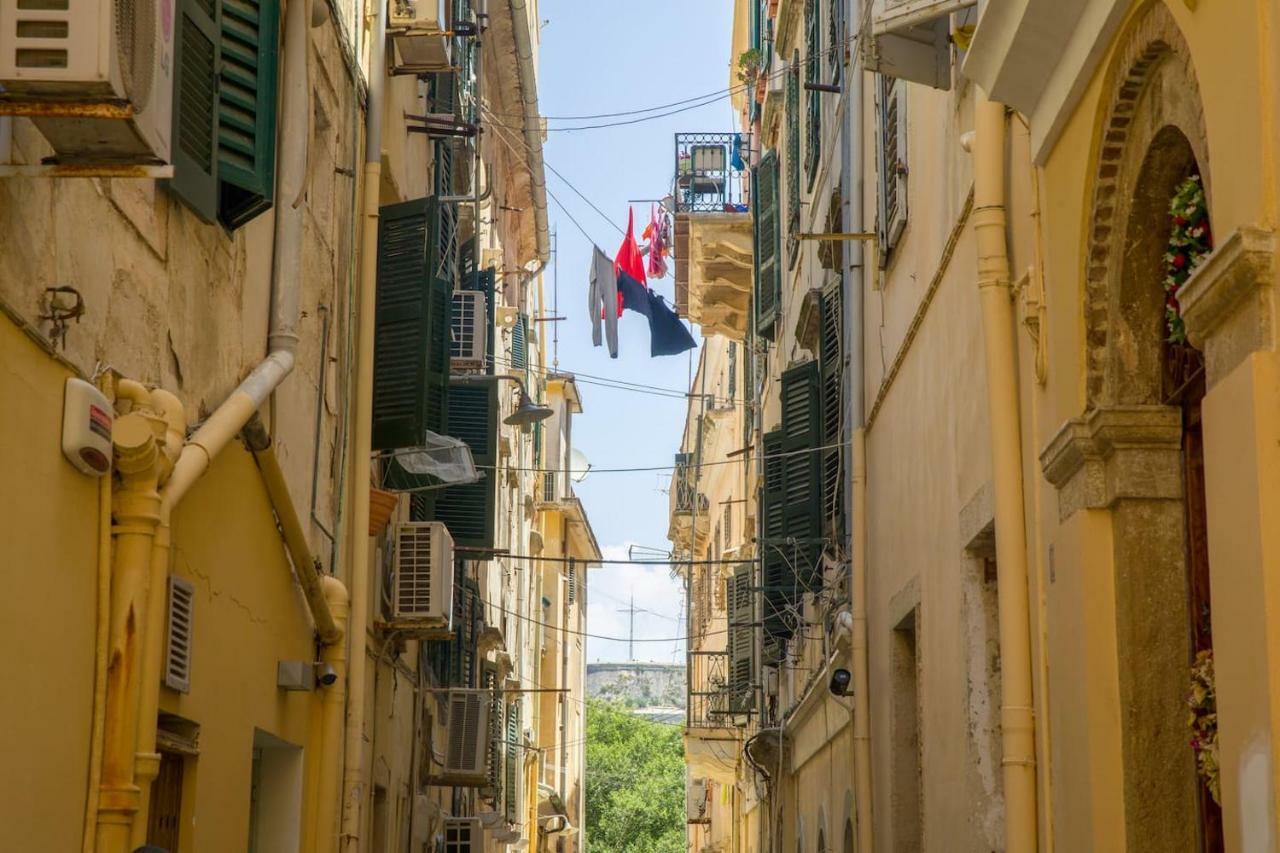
247 109
777 575
462 669
520 344
514 765
768 274
484 281
812 74
411 336
468 511
831 361
793 160
801 397
195 107
741 639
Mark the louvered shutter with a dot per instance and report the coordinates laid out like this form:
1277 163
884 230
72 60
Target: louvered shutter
247 109
411 336
768 273
513 769
813 97
468 510
462 647
891 161
793 160
831 361
801 397
496 753
779 580
178 639
520 344
444 247
195 107
741 639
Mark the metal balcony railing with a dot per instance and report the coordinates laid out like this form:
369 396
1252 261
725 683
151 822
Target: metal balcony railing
708 688
712 172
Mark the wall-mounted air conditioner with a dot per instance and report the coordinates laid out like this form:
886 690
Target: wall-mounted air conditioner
467 347
697 801
95 76
463 835
422 589
419 39
466 759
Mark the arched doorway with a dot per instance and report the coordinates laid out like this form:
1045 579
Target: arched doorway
1144 386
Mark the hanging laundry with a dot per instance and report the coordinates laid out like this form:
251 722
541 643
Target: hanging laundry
667 335
628 260
602 296
735 154
657 232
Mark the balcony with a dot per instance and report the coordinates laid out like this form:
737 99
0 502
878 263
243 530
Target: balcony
710 726
690 510
713 251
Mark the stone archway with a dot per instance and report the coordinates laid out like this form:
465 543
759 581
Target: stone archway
1125 454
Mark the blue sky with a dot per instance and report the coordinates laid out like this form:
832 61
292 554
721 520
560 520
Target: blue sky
602 57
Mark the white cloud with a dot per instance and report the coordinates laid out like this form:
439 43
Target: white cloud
659 595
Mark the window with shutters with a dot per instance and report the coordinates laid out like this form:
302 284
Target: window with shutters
490 682
793 160
731 381
520 343
768 272
514 770
741 639
891 161
164 819
837 48
411 328
813 97
466 627
226 58
831 365
445 244
469 510
778 576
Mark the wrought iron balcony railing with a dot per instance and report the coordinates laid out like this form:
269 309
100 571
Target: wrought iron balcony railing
712 172
708 701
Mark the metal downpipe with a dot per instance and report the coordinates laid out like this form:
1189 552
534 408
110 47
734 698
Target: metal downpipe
1016 715
522 24
362 438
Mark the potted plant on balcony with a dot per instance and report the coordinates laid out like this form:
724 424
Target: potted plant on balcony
750 63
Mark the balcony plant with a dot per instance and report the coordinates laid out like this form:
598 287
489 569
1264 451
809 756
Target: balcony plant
1202 702
750 63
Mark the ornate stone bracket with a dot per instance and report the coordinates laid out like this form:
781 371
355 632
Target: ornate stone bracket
1115 453
1228 303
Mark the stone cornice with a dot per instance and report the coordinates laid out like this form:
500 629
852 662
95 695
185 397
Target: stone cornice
1115 453
1228 302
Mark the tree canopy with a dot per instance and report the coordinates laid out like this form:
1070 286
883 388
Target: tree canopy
635 783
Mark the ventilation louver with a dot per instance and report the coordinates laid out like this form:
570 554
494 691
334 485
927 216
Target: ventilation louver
177 653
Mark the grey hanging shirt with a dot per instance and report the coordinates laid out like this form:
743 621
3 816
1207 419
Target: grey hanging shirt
602 301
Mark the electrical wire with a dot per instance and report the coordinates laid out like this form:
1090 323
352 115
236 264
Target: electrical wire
574 633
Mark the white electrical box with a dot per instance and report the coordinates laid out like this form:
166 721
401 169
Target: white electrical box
86 428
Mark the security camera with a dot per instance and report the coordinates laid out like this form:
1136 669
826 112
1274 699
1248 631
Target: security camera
326 675
839 685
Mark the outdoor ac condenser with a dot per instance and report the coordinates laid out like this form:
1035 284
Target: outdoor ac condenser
422 589
95 76
466 760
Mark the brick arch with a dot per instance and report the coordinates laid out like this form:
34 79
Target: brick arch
1152 87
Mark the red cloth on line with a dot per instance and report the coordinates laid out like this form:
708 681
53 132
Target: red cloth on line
629 260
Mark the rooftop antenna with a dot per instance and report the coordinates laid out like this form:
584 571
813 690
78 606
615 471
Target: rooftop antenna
631 626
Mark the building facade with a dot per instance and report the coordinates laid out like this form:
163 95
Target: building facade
271 283
1010 315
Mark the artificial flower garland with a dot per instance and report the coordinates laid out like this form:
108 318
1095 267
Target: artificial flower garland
1189 242
1203 722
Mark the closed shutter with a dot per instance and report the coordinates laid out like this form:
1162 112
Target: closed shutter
891 161
741 639
520 344
247 108
778 578
831 361
768 274
468 510
813 98
514 765
801 396
462 648
411 336
793 160
195 107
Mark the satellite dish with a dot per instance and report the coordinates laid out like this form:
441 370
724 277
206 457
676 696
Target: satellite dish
578 465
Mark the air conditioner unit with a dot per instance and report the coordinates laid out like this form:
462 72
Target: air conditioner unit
95 76
466 759
697 801
463 835
422 590
419 37
468 345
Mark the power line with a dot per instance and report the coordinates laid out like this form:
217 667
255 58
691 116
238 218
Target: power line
574 633
594 116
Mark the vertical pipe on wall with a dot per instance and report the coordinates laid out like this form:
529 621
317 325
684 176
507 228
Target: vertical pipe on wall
323 835
1016 715
358 530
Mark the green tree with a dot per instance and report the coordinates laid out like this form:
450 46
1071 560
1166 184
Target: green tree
635 783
